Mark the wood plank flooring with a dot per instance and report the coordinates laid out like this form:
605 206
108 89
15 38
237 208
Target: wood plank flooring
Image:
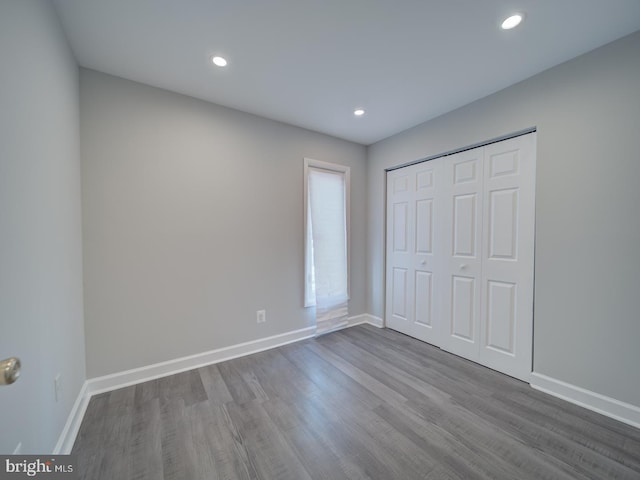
361 403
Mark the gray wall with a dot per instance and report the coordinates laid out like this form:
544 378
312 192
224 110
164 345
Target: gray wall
192 217
41 317
587 267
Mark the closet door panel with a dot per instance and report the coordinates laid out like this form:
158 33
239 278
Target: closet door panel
399 238
424 299
462 198
424 227
426 268
399 294
400 227
507 275
502 225
413 210
463 308
501 319
465 225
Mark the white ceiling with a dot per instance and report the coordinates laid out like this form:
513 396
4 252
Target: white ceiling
310 63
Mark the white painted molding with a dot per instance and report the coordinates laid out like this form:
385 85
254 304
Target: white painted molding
375 321
624 412
151 372
365 318
72 426
171 367
127 378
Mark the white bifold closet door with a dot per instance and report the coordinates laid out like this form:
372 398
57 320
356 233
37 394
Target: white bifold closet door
413 247
472 294
461 283
508 218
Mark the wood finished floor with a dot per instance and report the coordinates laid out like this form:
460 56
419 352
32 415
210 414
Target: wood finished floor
362 403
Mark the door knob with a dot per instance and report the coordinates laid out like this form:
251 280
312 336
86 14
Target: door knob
9 370
423 262
463 266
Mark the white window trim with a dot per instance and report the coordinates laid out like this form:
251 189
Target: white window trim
331 167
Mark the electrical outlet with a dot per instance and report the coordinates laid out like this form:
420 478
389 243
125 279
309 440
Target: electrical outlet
261 316
58 387
18 449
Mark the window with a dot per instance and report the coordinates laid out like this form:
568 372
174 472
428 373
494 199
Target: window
326 195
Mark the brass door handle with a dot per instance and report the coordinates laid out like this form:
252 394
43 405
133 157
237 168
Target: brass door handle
9 370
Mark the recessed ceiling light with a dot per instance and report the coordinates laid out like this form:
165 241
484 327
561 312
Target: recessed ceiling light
358 112
219 61
512 21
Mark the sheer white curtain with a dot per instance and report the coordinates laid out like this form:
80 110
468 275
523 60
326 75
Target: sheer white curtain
327 247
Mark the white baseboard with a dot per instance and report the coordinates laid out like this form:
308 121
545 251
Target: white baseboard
72 426
151 372
171 367
366 318
624 412
127 378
